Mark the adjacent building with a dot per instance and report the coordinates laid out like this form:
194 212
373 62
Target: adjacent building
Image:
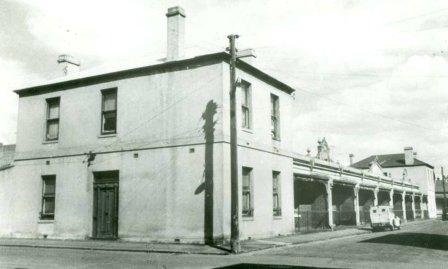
406 168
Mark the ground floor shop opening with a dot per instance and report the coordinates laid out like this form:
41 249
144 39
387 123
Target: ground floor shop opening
310 203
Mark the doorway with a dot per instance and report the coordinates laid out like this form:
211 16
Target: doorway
105 205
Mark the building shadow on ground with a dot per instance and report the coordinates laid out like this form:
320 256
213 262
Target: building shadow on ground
421 240
264 266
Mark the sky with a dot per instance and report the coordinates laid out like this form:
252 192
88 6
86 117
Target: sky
370 76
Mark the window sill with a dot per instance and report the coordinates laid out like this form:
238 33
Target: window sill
276 139
107 135
248 218
277 217
50 142
45 221
250 131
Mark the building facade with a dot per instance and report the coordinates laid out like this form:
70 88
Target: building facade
143 154
405 167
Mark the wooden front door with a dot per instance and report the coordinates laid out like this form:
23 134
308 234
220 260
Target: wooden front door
105 215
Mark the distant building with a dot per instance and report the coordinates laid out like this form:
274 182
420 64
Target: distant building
407 169
439 195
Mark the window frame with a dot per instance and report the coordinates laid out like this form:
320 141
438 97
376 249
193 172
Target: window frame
276 194
246 106
47 196
48 120
275 116
103 112
247 212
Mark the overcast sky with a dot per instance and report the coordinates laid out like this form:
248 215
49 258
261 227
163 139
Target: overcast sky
371 76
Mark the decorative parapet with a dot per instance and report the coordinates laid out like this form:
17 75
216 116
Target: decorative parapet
315 169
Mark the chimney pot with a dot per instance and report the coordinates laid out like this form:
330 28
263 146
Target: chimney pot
408 156
175 33
173 11
351 158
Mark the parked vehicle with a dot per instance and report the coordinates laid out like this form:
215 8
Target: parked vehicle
383 217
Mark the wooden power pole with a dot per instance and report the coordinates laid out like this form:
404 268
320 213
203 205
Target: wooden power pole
234 211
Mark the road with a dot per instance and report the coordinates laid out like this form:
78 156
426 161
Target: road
419 245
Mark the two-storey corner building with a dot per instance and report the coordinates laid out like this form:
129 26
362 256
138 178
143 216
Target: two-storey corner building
406 168
143 153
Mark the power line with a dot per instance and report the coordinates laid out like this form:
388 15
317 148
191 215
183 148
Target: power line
361 109
416 16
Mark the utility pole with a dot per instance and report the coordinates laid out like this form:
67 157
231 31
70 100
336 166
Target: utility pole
234 211
444 217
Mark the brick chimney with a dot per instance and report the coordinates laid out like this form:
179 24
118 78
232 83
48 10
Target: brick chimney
175 33
68 64
351 155
408 156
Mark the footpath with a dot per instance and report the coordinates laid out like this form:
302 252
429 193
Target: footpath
180 248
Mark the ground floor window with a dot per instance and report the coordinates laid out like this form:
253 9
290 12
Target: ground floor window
247 207
48 197
277 206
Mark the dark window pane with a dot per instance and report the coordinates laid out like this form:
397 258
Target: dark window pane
275 130
109 121
247 206
48 197
49 185
48 206
276 204
52 129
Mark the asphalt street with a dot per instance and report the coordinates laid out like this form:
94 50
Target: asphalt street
419 245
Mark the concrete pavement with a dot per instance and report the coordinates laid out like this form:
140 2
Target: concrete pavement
422 244
246 245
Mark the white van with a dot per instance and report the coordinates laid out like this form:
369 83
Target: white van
383 217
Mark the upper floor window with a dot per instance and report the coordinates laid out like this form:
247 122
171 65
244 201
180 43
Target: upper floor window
276 206
247 207
109 111
246 105
52 128
275 117
48 197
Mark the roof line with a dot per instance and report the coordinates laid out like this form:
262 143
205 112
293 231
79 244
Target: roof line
362 166
164 67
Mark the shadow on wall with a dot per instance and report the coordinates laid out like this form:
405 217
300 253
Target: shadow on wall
207 185
263 266
421 240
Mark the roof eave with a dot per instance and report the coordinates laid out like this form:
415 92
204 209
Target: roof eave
220 56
